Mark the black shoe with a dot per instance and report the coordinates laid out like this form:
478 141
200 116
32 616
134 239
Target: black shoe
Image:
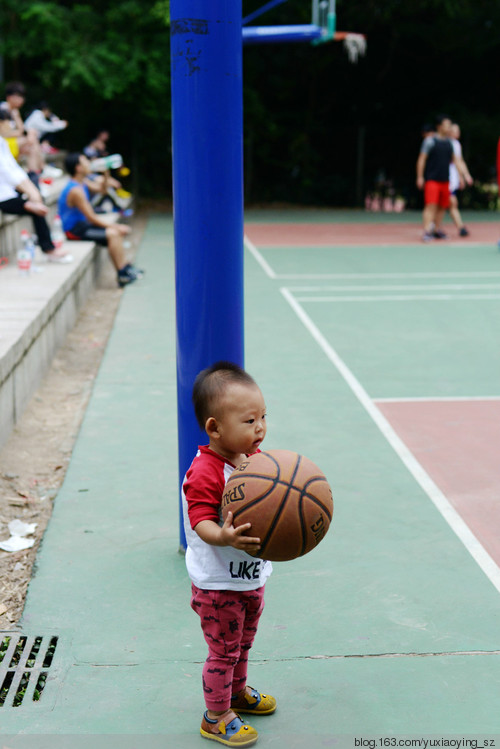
126 276
138 271
464 232
439 234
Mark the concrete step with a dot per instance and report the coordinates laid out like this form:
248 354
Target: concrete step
36 313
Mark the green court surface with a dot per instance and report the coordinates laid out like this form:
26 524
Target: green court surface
390 627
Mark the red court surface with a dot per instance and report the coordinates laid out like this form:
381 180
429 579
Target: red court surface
458 444
322 234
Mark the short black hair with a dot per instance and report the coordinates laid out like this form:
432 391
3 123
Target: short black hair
441 117
15 87
5 115
210 385
71 162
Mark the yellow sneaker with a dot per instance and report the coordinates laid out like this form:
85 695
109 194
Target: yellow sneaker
229 730
249 700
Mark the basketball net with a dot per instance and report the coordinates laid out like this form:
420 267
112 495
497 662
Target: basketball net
354 44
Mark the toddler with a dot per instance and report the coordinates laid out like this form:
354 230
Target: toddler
228 596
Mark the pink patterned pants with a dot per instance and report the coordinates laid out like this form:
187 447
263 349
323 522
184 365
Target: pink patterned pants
229 620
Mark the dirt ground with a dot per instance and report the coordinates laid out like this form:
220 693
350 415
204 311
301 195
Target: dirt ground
34 460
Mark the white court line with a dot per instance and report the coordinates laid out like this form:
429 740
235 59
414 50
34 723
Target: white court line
366 276
459 527
335 245
271 273
394 287
397 298
263 263
439 399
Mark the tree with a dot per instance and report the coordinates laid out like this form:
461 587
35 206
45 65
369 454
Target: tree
100 63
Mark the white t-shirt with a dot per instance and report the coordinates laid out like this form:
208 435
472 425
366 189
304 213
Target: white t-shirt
37 121
215 567
454 175
11 173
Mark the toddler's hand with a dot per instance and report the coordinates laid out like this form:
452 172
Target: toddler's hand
235 536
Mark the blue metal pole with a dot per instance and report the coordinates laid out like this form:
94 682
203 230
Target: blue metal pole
207 140
263 9
276 34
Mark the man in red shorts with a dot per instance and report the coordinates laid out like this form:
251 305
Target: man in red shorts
433 175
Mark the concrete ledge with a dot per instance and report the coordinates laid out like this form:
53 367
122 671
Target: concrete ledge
36 313
11 225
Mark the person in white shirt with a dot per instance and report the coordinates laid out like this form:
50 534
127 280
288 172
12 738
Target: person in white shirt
20 196
45 123
457 180
22 141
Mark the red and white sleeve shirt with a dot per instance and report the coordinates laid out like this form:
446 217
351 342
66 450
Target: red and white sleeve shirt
214 567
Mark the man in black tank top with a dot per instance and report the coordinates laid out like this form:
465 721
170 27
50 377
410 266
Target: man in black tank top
433 174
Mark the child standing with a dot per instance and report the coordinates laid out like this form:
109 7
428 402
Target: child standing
227 582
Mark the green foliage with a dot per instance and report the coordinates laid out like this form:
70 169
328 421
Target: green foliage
161 10
111 48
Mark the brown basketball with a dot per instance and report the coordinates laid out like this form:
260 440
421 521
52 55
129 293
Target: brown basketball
285 497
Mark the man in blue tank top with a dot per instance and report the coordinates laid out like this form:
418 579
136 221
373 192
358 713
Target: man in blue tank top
81 222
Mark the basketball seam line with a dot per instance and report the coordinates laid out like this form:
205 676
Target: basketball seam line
282 504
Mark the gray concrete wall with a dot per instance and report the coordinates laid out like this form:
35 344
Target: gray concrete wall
36 314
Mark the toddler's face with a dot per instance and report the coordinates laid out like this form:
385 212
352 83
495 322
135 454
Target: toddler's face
242 421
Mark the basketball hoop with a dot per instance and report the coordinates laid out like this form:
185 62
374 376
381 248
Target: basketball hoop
324 18
321 29
354 44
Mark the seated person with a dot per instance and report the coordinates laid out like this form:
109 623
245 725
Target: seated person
22 142
97 147
45 124
106 193
80 221
14 185
106 190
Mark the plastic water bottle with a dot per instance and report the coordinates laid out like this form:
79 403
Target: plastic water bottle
114 161
24 254
57 233
31 247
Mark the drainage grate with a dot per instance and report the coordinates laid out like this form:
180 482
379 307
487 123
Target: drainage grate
24 666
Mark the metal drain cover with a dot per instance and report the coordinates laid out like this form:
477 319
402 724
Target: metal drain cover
24 667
